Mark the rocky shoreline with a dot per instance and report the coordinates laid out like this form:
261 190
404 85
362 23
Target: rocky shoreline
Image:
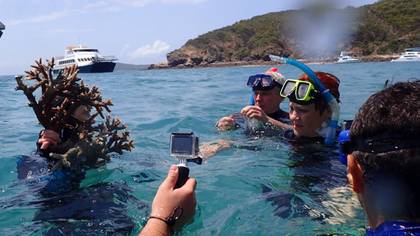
370 58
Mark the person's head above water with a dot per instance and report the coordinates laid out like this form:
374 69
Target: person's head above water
384 155
266 88
79 111
308 109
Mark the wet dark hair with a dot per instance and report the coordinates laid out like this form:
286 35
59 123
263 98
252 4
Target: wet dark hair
391 177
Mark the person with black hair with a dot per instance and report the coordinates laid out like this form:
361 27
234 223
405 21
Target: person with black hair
383 156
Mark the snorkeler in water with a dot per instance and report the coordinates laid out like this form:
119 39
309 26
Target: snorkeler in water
262 116
383 153
72 140
265 105
309 112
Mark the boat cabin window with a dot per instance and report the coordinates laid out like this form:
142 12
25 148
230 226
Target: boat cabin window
66 62
85 50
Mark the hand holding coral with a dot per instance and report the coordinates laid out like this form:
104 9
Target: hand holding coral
48 138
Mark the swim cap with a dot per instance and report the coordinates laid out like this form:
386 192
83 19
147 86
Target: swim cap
276 75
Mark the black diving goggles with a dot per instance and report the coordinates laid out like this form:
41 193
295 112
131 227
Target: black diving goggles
261 82
374 145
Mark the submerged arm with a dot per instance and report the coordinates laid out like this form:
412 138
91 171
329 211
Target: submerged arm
210 149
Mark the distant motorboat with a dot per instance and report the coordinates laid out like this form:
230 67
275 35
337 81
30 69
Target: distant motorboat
410 54
2 27
88 60
345 57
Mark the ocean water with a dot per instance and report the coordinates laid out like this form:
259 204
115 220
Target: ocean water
261 186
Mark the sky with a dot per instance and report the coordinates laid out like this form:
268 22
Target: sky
135 31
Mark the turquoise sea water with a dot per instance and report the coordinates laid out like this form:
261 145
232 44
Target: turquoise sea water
263 186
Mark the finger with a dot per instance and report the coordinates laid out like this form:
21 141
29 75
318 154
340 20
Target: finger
45 145
47 140
51 134
255 114
222 121
245 109
190 185
52 137
171 179
228 121
250 113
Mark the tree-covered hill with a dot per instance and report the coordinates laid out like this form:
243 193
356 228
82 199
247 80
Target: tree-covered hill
316 32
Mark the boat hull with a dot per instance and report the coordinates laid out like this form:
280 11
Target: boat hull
406 60
99 67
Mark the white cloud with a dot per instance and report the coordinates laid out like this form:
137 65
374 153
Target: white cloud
101 5
43 18
133 3
157 47
81 30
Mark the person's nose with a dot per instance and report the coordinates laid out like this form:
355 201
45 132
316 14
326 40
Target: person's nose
257 97
294 116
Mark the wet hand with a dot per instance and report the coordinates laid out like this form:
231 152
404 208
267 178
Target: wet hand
255 112
168 198
48 138
226 123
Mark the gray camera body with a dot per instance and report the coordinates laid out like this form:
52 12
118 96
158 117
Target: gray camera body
184 145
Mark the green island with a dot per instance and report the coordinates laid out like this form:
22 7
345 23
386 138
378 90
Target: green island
376 32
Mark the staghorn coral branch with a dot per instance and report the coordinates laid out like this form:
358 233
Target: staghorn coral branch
52 111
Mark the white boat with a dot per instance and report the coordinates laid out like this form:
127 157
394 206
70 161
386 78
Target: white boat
345 57
88 60
410 54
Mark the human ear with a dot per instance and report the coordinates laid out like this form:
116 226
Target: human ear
355 174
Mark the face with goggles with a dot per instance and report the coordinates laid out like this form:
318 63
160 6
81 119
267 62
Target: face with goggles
266 92
308 111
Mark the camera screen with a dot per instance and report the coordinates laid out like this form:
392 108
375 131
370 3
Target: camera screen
182 145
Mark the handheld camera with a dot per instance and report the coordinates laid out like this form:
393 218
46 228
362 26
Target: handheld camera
184 146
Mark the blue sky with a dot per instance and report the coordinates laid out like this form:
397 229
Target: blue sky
135 31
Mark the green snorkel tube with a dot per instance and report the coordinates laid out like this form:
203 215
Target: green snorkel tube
329 98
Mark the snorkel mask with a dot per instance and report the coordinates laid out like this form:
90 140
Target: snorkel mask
262 82
299 91
380 144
